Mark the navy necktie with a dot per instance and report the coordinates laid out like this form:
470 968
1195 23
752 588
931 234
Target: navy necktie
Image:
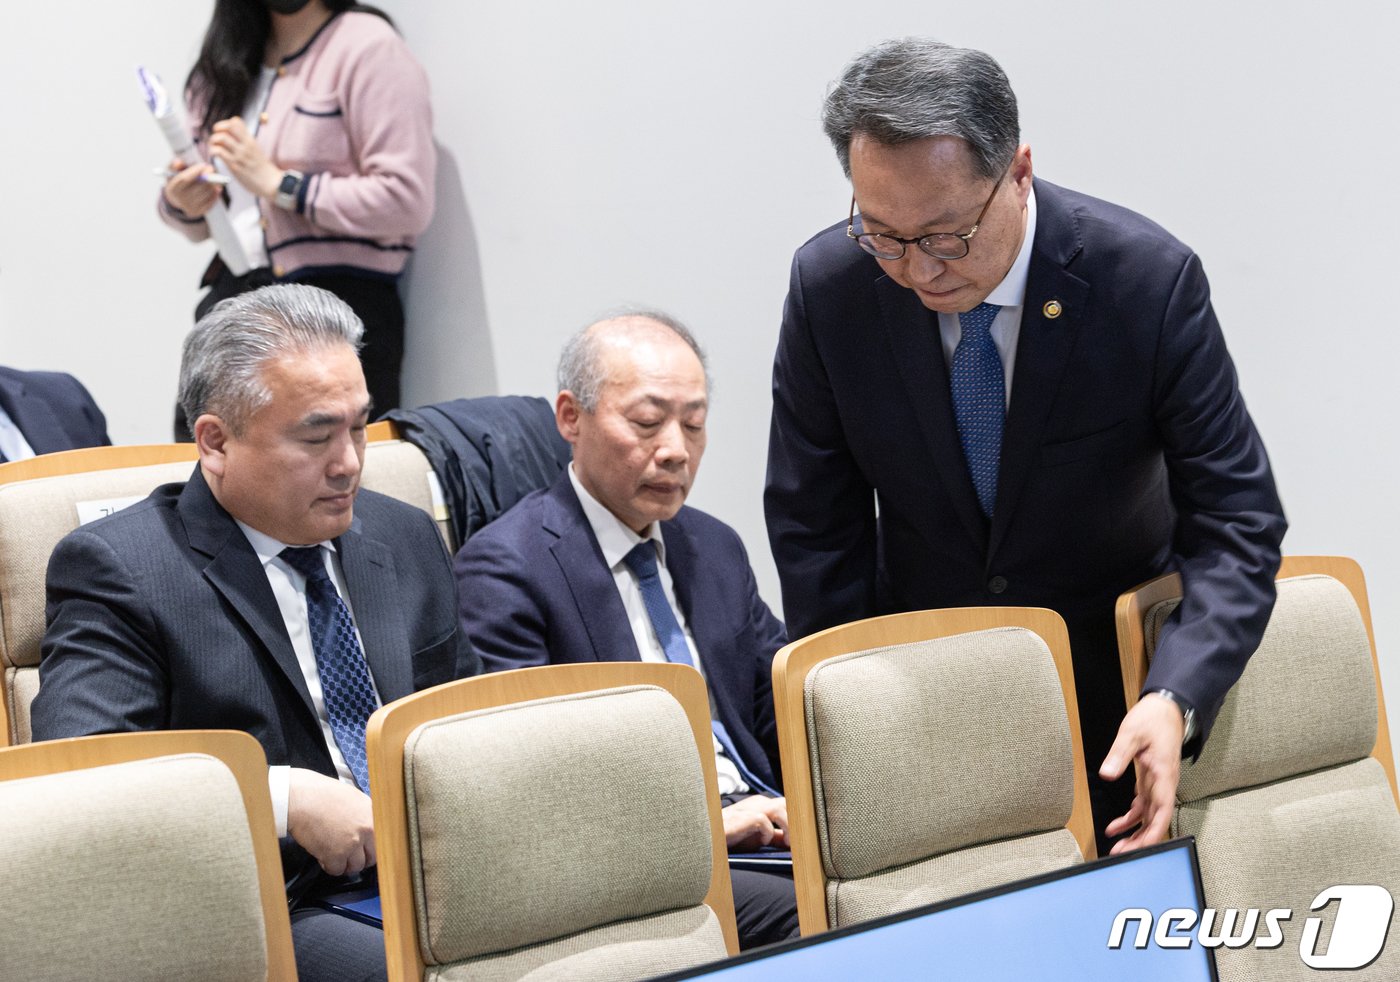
346 687
642 561
978 383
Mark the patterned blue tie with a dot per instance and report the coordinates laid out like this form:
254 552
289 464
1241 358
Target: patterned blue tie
346 687
979 400
642 561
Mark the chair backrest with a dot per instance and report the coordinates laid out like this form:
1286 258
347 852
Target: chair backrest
557 822
927 755
1294 792
41 500
146 856
399 469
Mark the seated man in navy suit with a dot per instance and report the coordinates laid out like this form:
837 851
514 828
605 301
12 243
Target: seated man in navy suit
45 412
269 594
608 565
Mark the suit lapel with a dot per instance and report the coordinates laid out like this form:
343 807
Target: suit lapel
1042 352
704 609
914 340
586 572
238 576
34 417
372 581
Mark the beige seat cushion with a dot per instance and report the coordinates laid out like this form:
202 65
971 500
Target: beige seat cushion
637 949
34 515
532 822
1281 844
970 730
142 870
1306 700
400 470
949 875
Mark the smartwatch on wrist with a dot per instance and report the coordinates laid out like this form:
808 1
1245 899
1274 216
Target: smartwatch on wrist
1188 713
286 197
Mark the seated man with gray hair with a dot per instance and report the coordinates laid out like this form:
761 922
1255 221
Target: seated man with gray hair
609 565
268 593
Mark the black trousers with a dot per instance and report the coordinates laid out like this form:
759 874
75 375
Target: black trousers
375 301
765 907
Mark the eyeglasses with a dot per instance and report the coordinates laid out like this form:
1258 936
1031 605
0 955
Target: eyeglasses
939 245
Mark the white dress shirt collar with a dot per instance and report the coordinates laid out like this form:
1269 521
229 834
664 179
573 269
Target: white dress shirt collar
615 539
1011 291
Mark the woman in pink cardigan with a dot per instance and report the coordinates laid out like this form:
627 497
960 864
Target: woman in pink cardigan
320 115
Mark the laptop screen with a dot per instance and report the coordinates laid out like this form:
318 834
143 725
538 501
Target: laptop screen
1050 927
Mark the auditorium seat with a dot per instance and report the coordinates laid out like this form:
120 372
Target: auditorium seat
926 755
41 500
145 856
1294 792
399 469
551 823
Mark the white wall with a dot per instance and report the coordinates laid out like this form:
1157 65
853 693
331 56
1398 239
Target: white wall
670 154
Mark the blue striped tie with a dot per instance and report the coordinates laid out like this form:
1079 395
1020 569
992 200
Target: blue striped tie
642 561
979 400
346 687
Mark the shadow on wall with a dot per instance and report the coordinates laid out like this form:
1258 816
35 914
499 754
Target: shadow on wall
448 351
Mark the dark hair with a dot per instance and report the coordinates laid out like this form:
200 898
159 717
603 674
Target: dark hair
912 88
233 51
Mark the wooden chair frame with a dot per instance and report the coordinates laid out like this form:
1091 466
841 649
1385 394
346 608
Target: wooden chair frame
242 754
391 725
795 662
96 459
1133 606
136 455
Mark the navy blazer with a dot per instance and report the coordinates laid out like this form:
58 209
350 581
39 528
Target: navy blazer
161 617
533 589
1127 452
52 410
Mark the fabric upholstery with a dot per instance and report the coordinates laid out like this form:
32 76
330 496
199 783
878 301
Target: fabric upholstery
513 845
971 726
34 515
636 949
22 685
143 870
1306 700
949 875
1281 844
400 470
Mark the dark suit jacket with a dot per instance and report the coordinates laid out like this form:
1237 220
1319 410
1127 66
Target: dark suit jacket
1127 452
52 410
161 617
533 589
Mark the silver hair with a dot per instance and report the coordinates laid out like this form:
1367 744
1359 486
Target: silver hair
221 368
913 88
581 362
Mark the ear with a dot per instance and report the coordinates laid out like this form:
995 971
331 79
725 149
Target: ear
566 415
1021 172
211 436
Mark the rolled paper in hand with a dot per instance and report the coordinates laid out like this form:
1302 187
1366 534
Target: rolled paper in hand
171 120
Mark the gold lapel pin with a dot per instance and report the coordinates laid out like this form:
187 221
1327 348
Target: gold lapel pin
1052 309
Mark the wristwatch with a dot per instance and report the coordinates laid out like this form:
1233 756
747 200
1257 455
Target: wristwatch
1188 712
286 197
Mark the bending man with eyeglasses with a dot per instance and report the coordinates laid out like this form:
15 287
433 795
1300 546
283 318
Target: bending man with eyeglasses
990 390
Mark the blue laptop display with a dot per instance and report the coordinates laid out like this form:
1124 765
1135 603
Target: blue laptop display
1049 927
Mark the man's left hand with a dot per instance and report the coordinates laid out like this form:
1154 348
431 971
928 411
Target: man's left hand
1150 738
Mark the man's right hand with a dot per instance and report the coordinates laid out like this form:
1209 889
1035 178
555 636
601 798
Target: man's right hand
331 820
755 821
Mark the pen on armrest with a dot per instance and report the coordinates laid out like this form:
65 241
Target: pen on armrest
214 178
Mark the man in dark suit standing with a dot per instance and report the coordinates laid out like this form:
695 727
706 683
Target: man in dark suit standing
609 565
44 412
992 390
267 594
